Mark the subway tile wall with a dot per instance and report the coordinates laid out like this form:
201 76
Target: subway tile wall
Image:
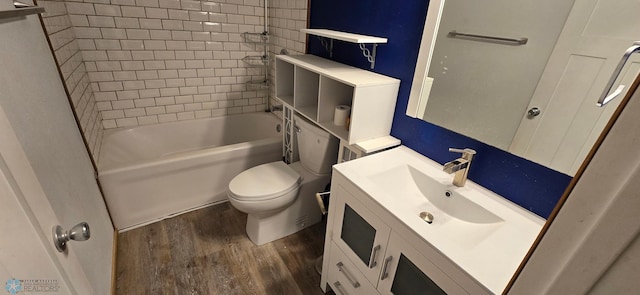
128 62
286 18
76 80
153 61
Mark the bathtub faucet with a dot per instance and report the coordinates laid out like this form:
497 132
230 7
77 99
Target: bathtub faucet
276 108
460 166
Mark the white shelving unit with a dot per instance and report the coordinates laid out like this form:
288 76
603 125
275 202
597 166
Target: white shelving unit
314 86
351 38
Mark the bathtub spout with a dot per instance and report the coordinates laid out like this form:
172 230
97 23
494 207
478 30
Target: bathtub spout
276 108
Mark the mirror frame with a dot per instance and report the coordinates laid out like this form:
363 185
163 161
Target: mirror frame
421 85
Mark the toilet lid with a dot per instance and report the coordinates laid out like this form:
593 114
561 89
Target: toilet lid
264 182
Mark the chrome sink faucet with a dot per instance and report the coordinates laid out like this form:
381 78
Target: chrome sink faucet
460 166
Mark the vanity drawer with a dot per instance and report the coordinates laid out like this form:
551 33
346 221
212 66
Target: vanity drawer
344 277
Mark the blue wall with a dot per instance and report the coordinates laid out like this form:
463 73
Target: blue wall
530 185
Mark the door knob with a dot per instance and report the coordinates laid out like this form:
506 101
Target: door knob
80 232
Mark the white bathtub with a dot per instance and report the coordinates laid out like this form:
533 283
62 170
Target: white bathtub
149 173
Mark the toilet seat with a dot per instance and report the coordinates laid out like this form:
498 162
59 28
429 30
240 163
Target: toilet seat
264 182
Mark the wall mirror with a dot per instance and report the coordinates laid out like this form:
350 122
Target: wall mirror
525 76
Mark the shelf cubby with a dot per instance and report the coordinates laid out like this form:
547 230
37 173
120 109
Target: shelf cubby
305 92
284 88
332 94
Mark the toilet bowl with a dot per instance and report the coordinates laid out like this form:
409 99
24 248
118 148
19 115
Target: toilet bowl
279 198
264 189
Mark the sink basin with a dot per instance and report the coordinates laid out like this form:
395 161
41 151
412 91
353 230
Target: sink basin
444 201
454 214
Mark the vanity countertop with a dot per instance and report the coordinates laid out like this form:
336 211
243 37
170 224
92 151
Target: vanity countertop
483 233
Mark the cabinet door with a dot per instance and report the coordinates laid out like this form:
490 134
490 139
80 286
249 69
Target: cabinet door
406 271
360 234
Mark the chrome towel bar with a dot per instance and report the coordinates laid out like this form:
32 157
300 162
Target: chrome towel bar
22 9
519 41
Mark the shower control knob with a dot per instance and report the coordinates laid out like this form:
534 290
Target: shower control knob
80 232
533 112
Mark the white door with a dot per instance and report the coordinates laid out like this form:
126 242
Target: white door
24 261
595 36
591 247
46 162
28 258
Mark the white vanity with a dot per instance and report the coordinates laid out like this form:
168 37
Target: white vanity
377 242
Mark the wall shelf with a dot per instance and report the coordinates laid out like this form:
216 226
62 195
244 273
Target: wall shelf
258 84
256 60
348 37
262 61
376 144
344 36
255 37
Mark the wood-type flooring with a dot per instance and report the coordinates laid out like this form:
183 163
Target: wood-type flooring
208 252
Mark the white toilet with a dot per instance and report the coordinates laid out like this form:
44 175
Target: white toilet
280 198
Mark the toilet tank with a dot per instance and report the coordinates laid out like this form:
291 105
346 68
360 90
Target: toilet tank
318 150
